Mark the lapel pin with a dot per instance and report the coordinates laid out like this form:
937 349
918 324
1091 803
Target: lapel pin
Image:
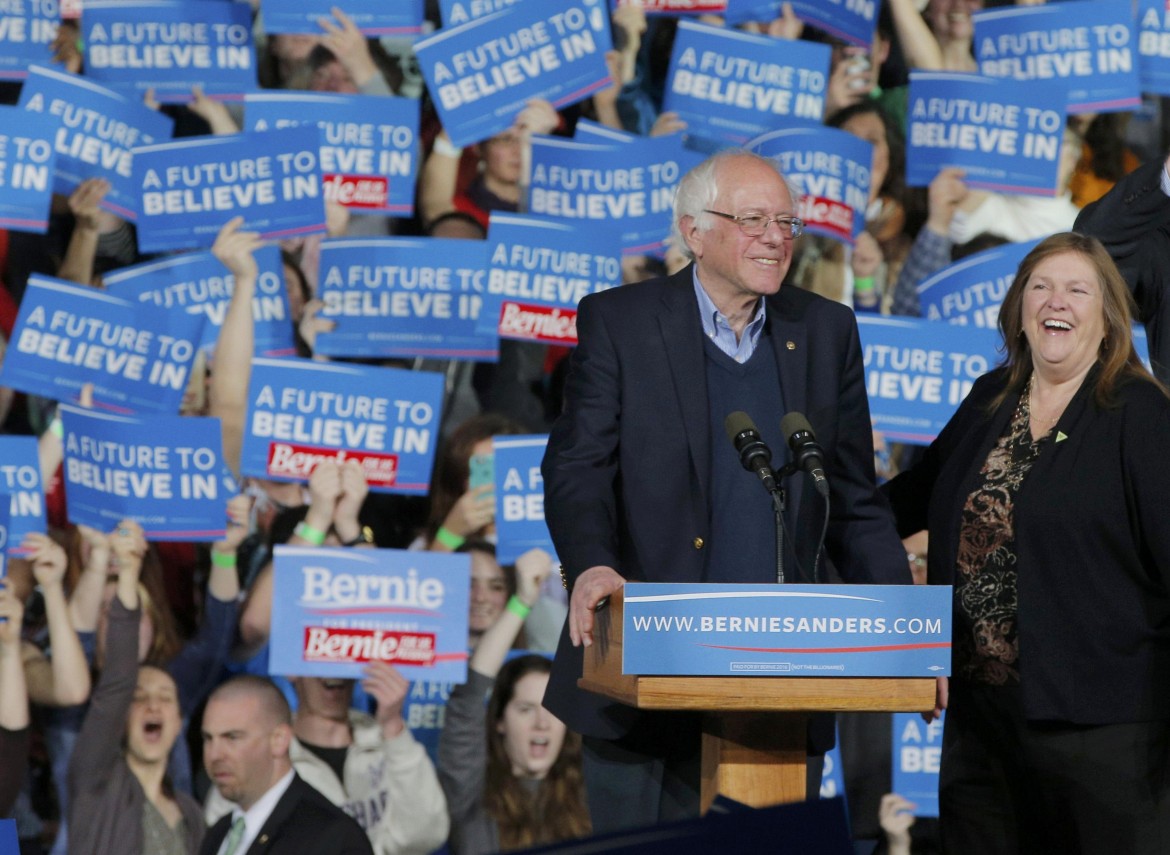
791 345
1061 436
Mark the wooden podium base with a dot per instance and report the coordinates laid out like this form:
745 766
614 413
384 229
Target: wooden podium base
757 760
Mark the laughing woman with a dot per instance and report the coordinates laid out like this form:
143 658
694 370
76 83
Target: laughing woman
120 797
1045 498
512 773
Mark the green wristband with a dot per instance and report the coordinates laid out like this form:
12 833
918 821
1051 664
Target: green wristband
56 428
223 559
306 532
517 607
449 539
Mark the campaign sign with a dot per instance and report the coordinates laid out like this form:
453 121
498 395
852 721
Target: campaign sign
137 356
190 188
520 522
482 73
1088 45
405 297
335 610
369 144
853 22
970 290
21 491
301 412
452 12
1154 46
165 472
5 501
538 271
833 773
1006 136
730 86
200 284
27 162
677 7
625 181
830 168
170 46
917 760
98 130
27 31
787 630
918 372
372 17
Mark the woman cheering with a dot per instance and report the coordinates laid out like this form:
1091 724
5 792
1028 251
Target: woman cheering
1045 498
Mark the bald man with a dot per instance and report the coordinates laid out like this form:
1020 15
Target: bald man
247 730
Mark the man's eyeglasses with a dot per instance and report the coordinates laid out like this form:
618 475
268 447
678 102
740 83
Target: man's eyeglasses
754 225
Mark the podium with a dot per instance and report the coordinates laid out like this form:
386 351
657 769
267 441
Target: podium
755 730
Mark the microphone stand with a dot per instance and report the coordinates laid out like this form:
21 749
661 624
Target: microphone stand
778 505
791 468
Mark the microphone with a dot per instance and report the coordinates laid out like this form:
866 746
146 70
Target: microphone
753 451
807 454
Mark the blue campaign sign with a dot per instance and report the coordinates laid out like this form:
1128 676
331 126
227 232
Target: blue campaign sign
917 758
1154 46
170 46
137 356
833 773
452 12
538 270
165 472
730 86
190 188
334 610
198 283
918 372
1088 45
677 7
98 130
301 412
970 291
27 162
5 502
626 183
372 17
787 630
483 72
405 297
21 491
369 144
1007 137
520 522
853 22
830 168
27 31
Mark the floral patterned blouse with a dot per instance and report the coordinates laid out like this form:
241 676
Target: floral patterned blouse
985 608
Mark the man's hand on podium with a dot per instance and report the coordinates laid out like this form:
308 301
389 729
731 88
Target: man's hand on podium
591 587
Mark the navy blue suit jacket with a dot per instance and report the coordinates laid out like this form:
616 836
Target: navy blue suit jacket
627 467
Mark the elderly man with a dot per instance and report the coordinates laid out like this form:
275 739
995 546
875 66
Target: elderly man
640 484
247 730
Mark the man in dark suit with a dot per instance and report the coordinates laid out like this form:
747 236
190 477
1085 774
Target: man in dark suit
1133 221
641 485
247 728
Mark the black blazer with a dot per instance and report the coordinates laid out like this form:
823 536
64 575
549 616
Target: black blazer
626 470
303 822
1092 540
1133 221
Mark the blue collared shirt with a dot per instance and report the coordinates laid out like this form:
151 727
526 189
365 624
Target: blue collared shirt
716 327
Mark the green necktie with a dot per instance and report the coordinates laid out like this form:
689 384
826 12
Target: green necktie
235 835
